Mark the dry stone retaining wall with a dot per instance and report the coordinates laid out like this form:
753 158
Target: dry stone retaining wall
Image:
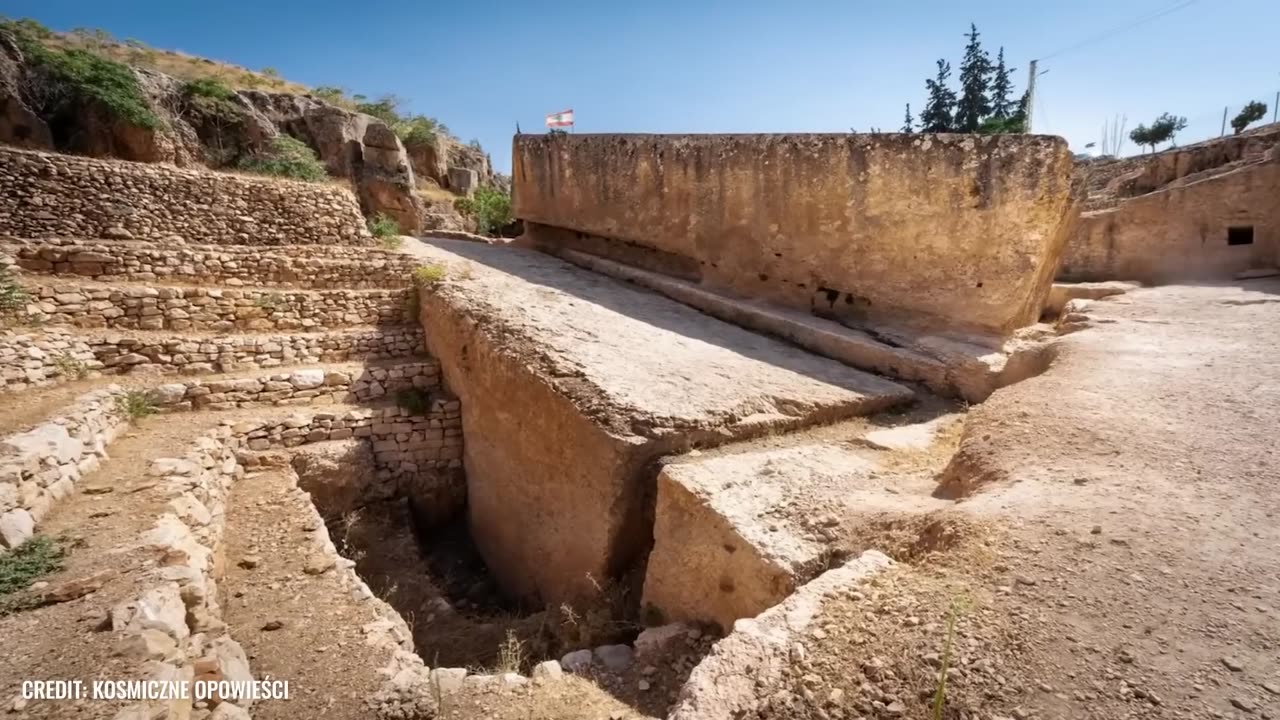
121 354
57 355
41 466
298 388
299 267
214 309
53 356
43 194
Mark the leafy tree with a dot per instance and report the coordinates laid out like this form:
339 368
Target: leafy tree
1002 103
1162 130
975 72
1251 113
937 115
908 124
270 72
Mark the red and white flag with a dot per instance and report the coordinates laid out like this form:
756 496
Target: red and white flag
564 118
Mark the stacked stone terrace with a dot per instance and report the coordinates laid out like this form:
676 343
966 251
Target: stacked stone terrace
255 315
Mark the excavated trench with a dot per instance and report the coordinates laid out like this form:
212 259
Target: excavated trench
420 558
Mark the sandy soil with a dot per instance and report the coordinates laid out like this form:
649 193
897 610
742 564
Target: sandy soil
1125 560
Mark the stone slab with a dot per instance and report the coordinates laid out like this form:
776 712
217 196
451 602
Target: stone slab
573 383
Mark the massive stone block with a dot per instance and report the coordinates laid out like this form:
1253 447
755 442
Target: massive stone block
573 384
959 231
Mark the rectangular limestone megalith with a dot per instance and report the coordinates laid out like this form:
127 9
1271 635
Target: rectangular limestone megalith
572 384
963 232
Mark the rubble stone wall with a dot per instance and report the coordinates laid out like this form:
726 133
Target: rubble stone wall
45 194
41 466
298 388
57 355
301 267
214 309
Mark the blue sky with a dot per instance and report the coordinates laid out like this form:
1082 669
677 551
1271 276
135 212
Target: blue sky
481 66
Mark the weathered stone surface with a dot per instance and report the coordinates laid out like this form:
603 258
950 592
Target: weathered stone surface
48 440
1179 233
16 527
954 231
1063 293
757 654
606 370
547 670
577 661
463 181
738 532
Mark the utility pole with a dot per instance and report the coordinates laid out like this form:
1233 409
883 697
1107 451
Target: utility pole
1224 121
1275 109
1031 95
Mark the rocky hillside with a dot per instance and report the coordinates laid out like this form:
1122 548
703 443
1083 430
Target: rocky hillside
59 95
1109 180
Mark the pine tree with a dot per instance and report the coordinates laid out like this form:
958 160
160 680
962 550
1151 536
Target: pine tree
937 115
975 74
908 126
1002 104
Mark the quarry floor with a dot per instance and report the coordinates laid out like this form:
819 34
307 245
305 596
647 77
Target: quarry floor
1118 558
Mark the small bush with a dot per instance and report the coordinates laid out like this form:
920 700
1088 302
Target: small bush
288 157
511 654
135 405
211 96
428 274
12 295
21 567
490 207
70 367
383 226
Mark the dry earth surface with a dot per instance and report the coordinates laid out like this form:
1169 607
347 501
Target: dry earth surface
1115 556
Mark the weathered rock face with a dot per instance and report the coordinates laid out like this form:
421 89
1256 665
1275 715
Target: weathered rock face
352 145
431 160
960 232
1205 230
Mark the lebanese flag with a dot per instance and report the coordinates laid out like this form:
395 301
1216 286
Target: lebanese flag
564 118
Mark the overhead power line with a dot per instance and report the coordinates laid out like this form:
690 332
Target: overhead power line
1143 20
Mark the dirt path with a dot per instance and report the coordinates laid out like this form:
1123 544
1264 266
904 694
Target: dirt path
101 528
1125 562
286 604
1144 468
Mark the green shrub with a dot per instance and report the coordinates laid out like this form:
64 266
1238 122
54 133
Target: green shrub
78 74
211 97
135 405
289 158
491 209
384 227
12 295
428 274
22 566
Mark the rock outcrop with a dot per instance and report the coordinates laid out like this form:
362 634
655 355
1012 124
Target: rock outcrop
352 145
